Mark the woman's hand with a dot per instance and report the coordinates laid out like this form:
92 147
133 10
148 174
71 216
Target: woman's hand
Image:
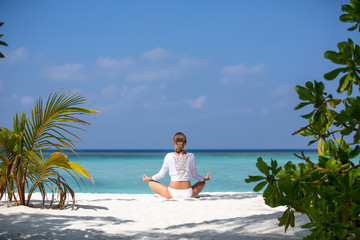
207 177
146 179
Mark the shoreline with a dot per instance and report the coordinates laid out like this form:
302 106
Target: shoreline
221 215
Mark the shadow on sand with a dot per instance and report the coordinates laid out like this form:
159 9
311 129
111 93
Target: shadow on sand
230 196
47 226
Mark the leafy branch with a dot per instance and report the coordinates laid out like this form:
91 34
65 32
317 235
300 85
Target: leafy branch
327 191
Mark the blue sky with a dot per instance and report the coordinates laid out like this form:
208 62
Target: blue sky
223 72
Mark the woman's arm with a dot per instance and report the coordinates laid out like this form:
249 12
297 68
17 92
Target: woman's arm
162 172
193 170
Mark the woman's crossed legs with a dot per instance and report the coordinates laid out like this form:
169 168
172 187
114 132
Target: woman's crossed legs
163 190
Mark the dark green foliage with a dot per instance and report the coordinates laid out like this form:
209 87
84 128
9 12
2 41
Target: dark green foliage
326 190
348 55
352 15
1 42
349 118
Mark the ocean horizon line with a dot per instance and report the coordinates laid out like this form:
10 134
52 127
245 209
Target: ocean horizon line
159 152
190 149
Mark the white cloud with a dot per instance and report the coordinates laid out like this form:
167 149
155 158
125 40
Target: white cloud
192 62
17 55
27 100
241 69
148 75
238 72
265 111
139 89
14 96
142 70
197 103
156 54
65 72
180 68
283 90
132 93
122 97
118 64
282 103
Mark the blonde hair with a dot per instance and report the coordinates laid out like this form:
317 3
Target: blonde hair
180 141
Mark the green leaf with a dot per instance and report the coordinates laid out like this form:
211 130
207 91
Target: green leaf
315 233
353 174
347 8
56 158
287 219
312 142
309 115
271 195
332 145
3 43
347 130
260 186
300 105
319 87
262 166
334 57
346 18
353 27
333 74
340 230
282 175
354 152
80 169
309 85
357 54
254 179
303 93
343 84
309 225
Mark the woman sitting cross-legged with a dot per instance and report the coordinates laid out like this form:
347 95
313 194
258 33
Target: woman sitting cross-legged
181 165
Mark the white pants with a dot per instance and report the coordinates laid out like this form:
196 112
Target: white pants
180 193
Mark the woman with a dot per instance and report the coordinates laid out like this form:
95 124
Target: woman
180 165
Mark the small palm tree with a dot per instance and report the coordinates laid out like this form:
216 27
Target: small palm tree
23 167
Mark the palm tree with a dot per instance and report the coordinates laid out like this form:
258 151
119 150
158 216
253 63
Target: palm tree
23 167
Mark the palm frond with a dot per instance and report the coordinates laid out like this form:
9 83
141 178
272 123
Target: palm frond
43 171
59 114
8 141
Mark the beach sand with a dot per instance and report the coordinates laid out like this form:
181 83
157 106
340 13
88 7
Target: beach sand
148 216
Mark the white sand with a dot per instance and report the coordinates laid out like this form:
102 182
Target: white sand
148 216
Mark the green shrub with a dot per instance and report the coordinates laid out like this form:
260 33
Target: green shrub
327 191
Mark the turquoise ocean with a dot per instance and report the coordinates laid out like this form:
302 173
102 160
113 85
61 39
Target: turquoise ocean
120 171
